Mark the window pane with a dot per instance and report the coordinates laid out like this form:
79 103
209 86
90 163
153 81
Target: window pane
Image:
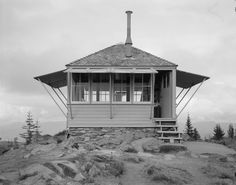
84 77
146 93
100 87
142 87
146 79
80 87
137 94
121 92
138 78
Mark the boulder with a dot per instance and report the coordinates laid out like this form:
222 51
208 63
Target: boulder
42 148
128 148
4 180
94 171
169 157
109 142
91 147
101 158
151 145
79 177
132 158
27 156
33 175
67 168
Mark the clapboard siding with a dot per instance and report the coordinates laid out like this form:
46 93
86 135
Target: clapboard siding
95 115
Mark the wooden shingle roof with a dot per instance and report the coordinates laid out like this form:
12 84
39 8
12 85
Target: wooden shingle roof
115 56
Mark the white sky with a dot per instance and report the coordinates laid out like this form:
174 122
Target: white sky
39 37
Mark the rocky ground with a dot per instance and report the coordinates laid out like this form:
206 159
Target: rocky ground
123 159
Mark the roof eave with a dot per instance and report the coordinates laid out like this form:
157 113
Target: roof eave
169 66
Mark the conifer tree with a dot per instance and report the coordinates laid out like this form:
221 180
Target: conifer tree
30 129
218 132
37 131
189 127
231 131
196 135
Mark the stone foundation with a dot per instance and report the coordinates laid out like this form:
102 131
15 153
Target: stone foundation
111 133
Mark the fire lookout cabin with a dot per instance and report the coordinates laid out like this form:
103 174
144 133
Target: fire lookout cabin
122 86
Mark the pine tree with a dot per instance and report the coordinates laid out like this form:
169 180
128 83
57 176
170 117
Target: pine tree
36 131
196 135
189 127
30 129
231 131
218 133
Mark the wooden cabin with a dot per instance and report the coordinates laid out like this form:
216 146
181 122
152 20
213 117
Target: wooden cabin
122 86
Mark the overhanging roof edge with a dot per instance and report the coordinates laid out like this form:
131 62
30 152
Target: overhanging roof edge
56 79
186 79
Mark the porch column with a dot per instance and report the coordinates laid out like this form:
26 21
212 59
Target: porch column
110 76
69 94
173 86
152 94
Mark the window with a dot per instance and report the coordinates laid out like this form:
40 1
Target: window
80 87
100 87
166 80
142 88
121 91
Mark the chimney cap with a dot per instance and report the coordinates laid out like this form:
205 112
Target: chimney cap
128 11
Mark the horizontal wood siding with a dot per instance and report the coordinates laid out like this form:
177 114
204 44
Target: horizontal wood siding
87 115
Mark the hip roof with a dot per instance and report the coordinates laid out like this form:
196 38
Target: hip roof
116 56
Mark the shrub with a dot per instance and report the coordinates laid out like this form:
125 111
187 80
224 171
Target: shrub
168 175
172 148
116 168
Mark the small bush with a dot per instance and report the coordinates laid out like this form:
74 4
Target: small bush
168 175
172 148
116 168
217 172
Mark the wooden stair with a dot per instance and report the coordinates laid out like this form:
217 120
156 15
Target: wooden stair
167 131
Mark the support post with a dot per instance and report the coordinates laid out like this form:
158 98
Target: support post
191 97
180 93
152 94
110 78
69 92
59 97
183 96
173 86
62 93
52 97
